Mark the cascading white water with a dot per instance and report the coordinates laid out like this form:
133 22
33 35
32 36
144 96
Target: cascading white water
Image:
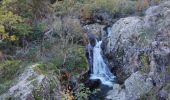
100 69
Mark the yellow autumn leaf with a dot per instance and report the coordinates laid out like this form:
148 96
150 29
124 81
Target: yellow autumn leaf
13 38
2 29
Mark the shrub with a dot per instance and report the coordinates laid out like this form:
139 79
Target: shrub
108 5
75 61
83 92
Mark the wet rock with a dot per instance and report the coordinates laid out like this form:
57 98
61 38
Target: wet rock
93 84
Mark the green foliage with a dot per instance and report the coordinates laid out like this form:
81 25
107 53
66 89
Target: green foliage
16 20
38 31
46 68
83 93
22 29
8 70
37 94
71 60
87 7
75 60
7 20
168 69
108 5
127 7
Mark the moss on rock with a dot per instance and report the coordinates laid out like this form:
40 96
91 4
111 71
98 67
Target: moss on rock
8 71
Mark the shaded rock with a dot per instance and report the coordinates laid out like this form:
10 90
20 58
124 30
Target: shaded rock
103 17
96 29
93 84
89 56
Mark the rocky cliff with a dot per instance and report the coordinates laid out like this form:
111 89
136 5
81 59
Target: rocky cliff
140 55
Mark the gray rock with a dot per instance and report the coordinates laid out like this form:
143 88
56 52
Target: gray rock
158 17
123 29
117 93
137 85
27 82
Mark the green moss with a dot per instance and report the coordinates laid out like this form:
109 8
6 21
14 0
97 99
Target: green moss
145 63
37 95
8 70
41 69
168 69
166 87
151 95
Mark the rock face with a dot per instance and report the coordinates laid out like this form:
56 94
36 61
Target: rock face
27 82
137 85
158 17
139 54
30 85
123 29
117 93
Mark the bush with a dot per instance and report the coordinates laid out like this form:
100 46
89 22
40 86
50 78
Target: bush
75 60
83 93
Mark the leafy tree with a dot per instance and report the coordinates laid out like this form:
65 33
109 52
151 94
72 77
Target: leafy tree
7 21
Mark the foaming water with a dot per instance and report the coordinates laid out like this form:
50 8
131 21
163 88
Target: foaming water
100 69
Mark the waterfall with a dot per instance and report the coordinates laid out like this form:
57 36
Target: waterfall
100 69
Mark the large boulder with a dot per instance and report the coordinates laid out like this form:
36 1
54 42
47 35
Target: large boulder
117 93
158 17
132 36
123 29
27 82
30 85
140 53
137 85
